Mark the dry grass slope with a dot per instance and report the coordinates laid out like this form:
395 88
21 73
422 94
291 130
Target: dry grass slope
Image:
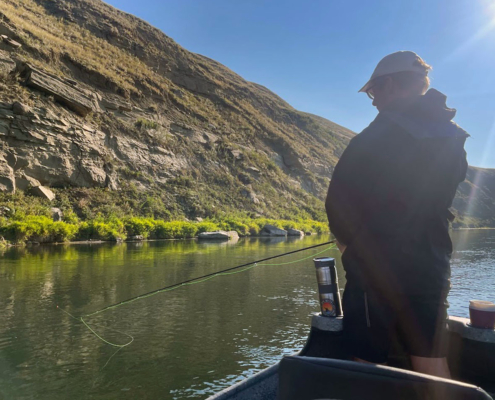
116 54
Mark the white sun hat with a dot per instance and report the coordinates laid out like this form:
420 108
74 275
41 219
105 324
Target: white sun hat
400 61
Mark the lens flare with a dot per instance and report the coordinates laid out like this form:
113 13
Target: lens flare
480 34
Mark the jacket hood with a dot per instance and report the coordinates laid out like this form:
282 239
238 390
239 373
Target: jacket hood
426 116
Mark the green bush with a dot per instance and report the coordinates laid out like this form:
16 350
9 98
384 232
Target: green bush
254 229
163 230
63 231
41 228
20 231
22 205
38 228
70 217
187 230
112 229
290 225
320 227
231 224
175 230
139 226
305 227
206 226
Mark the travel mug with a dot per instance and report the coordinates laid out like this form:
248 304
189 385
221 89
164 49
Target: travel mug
482 314
328 288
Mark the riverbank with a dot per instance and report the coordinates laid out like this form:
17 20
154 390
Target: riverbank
24 229
35 229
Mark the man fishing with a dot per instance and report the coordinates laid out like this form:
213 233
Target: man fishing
388 207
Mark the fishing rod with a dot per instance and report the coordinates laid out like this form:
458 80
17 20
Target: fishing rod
204 277
199 279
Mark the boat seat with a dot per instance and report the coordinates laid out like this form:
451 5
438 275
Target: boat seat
305 378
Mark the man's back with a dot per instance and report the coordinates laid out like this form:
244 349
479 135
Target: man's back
388 206
391 191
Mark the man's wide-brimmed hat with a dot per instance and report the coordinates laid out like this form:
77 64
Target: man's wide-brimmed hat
400 61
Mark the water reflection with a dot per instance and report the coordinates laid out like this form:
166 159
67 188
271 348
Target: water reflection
473 269
210 330
189 342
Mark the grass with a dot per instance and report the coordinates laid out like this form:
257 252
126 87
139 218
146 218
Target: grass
37 228
98 214
40 30
143 123
42 229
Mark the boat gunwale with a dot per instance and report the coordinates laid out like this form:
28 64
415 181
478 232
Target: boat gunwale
247 383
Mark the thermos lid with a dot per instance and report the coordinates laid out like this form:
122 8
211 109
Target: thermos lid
481 305
324 260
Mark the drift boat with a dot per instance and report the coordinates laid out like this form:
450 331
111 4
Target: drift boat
322 370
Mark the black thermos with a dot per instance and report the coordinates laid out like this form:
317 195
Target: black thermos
328 287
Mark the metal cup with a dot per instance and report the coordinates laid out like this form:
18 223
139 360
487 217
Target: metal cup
328 288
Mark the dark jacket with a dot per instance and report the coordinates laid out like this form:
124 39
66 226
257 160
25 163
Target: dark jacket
390 194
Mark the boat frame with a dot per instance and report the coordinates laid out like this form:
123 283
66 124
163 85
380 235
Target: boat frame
471 357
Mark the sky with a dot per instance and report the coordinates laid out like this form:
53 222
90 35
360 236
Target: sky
317 54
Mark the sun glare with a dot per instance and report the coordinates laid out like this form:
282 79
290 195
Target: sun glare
480 34
490 9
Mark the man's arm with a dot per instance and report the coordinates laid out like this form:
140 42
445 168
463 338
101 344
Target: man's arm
347 192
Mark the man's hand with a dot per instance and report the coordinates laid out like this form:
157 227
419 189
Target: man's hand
341 247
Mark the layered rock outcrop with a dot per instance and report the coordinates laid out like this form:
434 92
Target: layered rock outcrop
91 97
58 150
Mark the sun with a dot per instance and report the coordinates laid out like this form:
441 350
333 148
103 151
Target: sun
490 10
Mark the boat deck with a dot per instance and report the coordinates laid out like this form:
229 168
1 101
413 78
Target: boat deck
471 358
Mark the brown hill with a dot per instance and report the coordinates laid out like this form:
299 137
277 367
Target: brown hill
115 117
475 199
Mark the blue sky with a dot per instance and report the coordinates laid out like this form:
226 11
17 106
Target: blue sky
317 54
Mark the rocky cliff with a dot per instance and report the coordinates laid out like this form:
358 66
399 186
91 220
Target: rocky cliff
108 113
475 200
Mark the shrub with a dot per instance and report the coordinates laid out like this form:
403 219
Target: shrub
305 227
175 230
41 228
143 123
139 226
188 230
154 207
163 230
206 226
320 227
112 229
63 231
19 231
253 228
290 225
231 224
22 205
70 217
38 228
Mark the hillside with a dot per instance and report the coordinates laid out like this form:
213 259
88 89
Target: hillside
475 200
116 118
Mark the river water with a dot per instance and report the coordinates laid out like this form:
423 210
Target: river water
188 343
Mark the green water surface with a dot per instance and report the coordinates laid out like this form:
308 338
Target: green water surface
188 343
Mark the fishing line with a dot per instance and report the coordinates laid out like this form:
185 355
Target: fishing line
80 319
206 277
229 271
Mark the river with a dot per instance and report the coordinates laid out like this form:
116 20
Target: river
189 342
